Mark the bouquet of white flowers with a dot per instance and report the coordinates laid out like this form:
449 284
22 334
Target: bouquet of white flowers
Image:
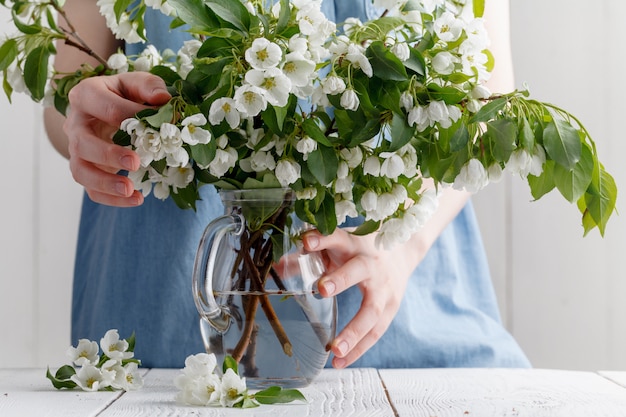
352 119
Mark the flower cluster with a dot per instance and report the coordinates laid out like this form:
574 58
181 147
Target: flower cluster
360 119
114 369
200 385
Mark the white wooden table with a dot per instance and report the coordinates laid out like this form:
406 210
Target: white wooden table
354 392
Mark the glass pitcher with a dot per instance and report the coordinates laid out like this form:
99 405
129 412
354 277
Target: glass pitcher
255 288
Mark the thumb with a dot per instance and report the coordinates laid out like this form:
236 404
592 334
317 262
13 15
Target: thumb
143 87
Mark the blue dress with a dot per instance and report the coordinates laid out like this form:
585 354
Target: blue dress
133 272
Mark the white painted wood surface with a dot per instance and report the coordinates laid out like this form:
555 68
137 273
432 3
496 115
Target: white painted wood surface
503 392
345 393
561 296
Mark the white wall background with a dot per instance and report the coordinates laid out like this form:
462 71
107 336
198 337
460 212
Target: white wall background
561 295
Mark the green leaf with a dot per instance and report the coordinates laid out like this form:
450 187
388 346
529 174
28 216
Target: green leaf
167 74
185 198
283 18
366 228
562 143
526 138
323 164
165 114
573 183
195 13
277 395
502 133
215 47
120 6
312 129
249 402
62 378
24 28
401 132
36 71
598 203
122 138
543 184
131 342
385 64
489 111
325 215
230 363
8 53
416 62
203 154
449 95
233 12
479 7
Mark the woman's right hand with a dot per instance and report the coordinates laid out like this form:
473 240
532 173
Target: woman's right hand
98 106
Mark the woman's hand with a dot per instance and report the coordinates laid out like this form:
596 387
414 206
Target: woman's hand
382 277
97 107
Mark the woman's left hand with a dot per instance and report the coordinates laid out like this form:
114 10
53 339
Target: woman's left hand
382 277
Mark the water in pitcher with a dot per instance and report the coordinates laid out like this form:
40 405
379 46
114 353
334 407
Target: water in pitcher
285 343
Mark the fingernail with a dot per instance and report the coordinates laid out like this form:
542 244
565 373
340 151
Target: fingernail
313 241
329 287
120 187
128 162
342 348
339 363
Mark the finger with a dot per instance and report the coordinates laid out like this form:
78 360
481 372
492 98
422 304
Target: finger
135 199
361 333
91 148
95 180
113 99
355 270
314 241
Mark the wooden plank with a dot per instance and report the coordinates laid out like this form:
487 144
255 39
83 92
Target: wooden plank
357 392
503 392
619 377
27 392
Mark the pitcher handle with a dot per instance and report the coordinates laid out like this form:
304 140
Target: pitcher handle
204 266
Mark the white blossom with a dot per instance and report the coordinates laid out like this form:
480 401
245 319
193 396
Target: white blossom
444 63
127 378
401 50
372 166
305 146
519 162
350 100
224 160
192 133
406 100
263 54
274 84
86 352
118 62
494 173
250 100
392 165
353 156
448 27
113 347
308 193
299 69
91 378
357 57
345 209
233 388
287 172
537 161
472 177
224 108
333 85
